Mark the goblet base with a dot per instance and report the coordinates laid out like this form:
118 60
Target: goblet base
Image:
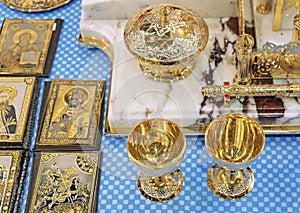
160 188
167 76
230 184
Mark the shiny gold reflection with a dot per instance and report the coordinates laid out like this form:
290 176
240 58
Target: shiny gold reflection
234 141
157 147
166 39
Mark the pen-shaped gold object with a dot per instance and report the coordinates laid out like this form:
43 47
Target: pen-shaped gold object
289 90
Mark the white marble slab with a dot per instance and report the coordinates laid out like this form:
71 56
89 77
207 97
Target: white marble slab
124 9
134 97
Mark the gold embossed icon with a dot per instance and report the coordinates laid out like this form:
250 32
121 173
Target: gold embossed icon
16 102
27 47
8 119
234 141
166 39
64 182
72 115
157 147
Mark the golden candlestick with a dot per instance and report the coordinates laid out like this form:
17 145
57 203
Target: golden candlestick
245 42
234 141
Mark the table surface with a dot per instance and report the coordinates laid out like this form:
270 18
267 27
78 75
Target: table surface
276 171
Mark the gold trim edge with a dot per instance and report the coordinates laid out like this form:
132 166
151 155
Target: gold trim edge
100 44
32 9
268 129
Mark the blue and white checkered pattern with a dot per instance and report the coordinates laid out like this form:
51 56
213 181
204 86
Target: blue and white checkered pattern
277 171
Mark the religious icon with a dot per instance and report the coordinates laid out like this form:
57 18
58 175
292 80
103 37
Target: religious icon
71 122
27 46
16 102
72 115
8 119
62 182
22 52
11 185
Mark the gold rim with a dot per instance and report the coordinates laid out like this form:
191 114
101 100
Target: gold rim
30 6
100 44
179 153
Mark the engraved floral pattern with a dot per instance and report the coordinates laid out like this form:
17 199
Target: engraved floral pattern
167 34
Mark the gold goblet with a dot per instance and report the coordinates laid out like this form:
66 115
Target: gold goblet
157 147
234 141
166 39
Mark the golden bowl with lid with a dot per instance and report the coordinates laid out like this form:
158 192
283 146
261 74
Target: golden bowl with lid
166 40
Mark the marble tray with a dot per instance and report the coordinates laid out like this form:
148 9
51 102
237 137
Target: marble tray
133 97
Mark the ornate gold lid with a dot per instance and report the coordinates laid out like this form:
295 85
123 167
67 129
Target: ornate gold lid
166 39
166 33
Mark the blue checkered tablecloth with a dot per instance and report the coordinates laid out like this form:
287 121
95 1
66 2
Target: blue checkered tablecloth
277 171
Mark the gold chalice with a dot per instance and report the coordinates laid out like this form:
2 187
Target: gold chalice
157 147
166 39
234 141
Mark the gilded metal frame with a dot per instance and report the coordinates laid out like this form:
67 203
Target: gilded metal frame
83 167
26 99
40 32
6 204
55 102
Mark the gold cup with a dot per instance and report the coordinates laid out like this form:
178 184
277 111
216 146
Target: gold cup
157 147
166 39
234 141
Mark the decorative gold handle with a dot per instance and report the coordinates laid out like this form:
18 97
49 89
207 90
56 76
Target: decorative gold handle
289 90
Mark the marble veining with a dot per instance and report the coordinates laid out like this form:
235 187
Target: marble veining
135 97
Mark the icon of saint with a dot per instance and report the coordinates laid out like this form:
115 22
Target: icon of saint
8 119
72 121
22 53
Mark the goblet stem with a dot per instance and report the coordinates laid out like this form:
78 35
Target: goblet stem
160 188
230 184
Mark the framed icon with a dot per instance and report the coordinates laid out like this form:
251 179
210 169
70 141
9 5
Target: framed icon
65 182
27 47
72 115
18 100
13 169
